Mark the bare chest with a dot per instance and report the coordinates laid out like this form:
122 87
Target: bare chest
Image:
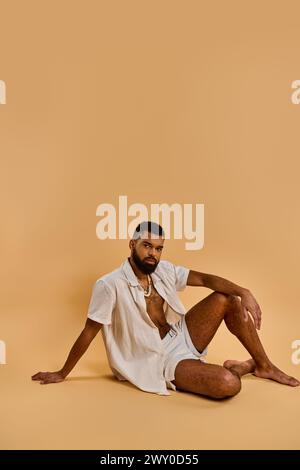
155 310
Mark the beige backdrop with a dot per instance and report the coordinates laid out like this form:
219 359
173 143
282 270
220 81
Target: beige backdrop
162 101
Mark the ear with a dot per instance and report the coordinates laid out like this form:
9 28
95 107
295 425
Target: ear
131 245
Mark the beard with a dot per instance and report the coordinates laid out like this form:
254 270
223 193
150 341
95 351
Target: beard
144 267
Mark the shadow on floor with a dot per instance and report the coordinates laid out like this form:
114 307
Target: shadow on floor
108 377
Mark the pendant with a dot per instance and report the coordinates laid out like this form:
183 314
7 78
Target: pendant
147 292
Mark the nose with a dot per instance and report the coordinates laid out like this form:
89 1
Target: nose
151 253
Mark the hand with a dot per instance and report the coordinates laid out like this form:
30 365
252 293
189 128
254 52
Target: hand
48 377
249 304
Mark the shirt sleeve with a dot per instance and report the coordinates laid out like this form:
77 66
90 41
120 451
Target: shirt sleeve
181 275
102 303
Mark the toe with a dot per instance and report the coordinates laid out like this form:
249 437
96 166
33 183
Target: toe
294 382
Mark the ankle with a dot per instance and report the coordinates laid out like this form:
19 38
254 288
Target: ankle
264 365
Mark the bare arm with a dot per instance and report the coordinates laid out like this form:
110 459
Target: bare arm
213 282
220 284
78 349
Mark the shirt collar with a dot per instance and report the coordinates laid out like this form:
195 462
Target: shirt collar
131 277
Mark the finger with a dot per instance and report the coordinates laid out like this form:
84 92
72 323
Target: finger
258 310
253 317
42 376
245 314
258 315
259 322
35 376
256 321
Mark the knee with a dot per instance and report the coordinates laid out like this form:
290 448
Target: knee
233 303
221 299
229 385
227 302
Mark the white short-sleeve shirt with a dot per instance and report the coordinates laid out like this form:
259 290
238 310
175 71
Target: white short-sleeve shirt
132 341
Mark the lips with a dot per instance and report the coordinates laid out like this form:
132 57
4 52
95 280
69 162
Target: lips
151 261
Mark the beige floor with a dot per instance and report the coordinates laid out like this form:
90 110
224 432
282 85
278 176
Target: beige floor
92 410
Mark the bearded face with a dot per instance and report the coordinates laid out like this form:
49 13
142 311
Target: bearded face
146 253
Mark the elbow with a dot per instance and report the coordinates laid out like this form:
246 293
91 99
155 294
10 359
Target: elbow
89 333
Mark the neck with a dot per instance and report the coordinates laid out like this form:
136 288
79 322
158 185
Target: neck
139 274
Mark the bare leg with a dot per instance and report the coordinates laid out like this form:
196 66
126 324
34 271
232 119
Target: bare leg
204 319
206 379
246 332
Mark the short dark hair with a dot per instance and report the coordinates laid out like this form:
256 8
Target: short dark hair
151 227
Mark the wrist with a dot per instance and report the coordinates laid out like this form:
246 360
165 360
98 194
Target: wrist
243 292
63 373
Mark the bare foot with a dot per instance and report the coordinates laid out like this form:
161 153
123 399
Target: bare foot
241 367
273 373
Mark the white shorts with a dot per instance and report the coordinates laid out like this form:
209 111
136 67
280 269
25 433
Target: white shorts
178 346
